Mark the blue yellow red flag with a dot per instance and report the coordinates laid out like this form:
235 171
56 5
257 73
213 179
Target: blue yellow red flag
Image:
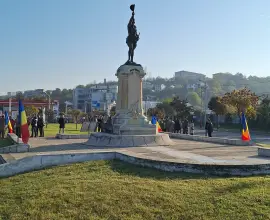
158 127
8 123
245 131
23 121
154 120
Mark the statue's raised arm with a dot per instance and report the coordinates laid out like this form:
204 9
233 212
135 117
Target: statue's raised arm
133 36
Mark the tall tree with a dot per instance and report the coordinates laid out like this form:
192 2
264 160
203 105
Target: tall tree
242 100
194 99
75 114
159 113
218 107
31 110
166 108
183 110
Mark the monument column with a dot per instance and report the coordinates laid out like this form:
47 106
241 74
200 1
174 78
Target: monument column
129 118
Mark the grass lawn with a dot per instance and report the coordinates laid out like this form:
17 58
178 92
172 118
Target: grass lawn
264 145
5 142
116 190
52 129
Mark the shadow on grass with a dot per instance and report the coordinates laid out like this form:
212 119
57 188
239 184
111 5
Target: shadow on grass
238 187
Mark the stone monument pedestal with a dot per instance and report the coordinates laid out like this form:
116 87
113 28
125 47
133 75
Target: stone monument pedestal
129 118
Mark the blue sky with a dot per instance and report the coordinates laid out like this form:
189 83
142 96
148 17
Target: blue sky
63 43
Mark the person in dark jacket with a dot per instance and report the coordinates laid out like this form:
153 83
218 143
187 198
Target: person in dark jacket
40 125
209 127
185 126
2 127
177 126
61 122
34 126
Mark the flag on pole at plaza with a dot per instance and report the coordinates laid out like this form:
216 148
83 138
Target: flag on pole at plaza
158 127
154 120
8 123
23 123
245 131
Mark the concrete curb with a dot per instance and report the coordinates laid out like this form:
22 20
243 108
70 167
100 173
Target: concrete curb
72 136
16 148
39 162
225 141
263 151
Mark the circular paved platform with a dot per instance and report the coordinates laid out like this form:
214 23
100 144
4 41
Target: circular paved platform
187 156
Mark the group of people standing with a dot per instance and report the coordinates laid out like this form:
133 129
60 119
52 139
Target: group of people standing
15 125
178 126
37 126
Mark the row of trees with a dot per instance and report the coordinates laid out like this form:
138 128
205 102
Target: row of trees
256 108
171 108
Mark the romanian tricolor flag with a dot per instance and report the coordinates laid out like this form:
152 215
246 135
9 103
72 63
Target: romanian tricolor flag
24 126
8 124
158 127
245 131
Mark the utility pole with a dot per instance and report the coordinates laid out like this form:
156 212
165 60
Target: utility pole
201 108
205 102
204 88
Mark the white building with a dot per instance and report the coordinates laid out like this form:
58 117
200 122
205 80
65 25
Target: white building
189 75
192 86
159 88
97 97
149 104
147 85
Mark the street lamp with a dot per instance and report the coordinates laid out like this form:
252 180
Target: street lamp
49 101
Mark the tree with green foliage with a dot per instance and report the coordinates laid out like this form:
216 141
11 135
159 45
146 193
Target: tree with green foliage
49 116
194 99
218 107
183 110
75 113
31 110
243 100
159 113
166 108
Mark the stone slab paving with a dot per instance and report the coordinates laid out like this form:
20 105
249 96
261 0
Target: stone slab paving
183 151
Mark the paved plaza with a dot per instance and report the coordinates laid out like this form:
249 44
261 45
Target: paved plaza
183 151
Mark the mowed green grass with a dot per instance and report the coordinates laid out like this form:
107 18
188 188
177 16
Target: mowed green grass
117 190
5 142
70 128
264 145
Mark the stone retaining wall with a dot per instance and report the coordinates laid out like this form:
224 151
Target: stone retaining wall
42 161
14 138
17 147
225 141
113 140
39 162
218 170
263 152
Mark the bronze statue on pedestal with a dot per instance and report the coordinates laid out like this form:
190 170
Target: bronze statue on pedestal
133 36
